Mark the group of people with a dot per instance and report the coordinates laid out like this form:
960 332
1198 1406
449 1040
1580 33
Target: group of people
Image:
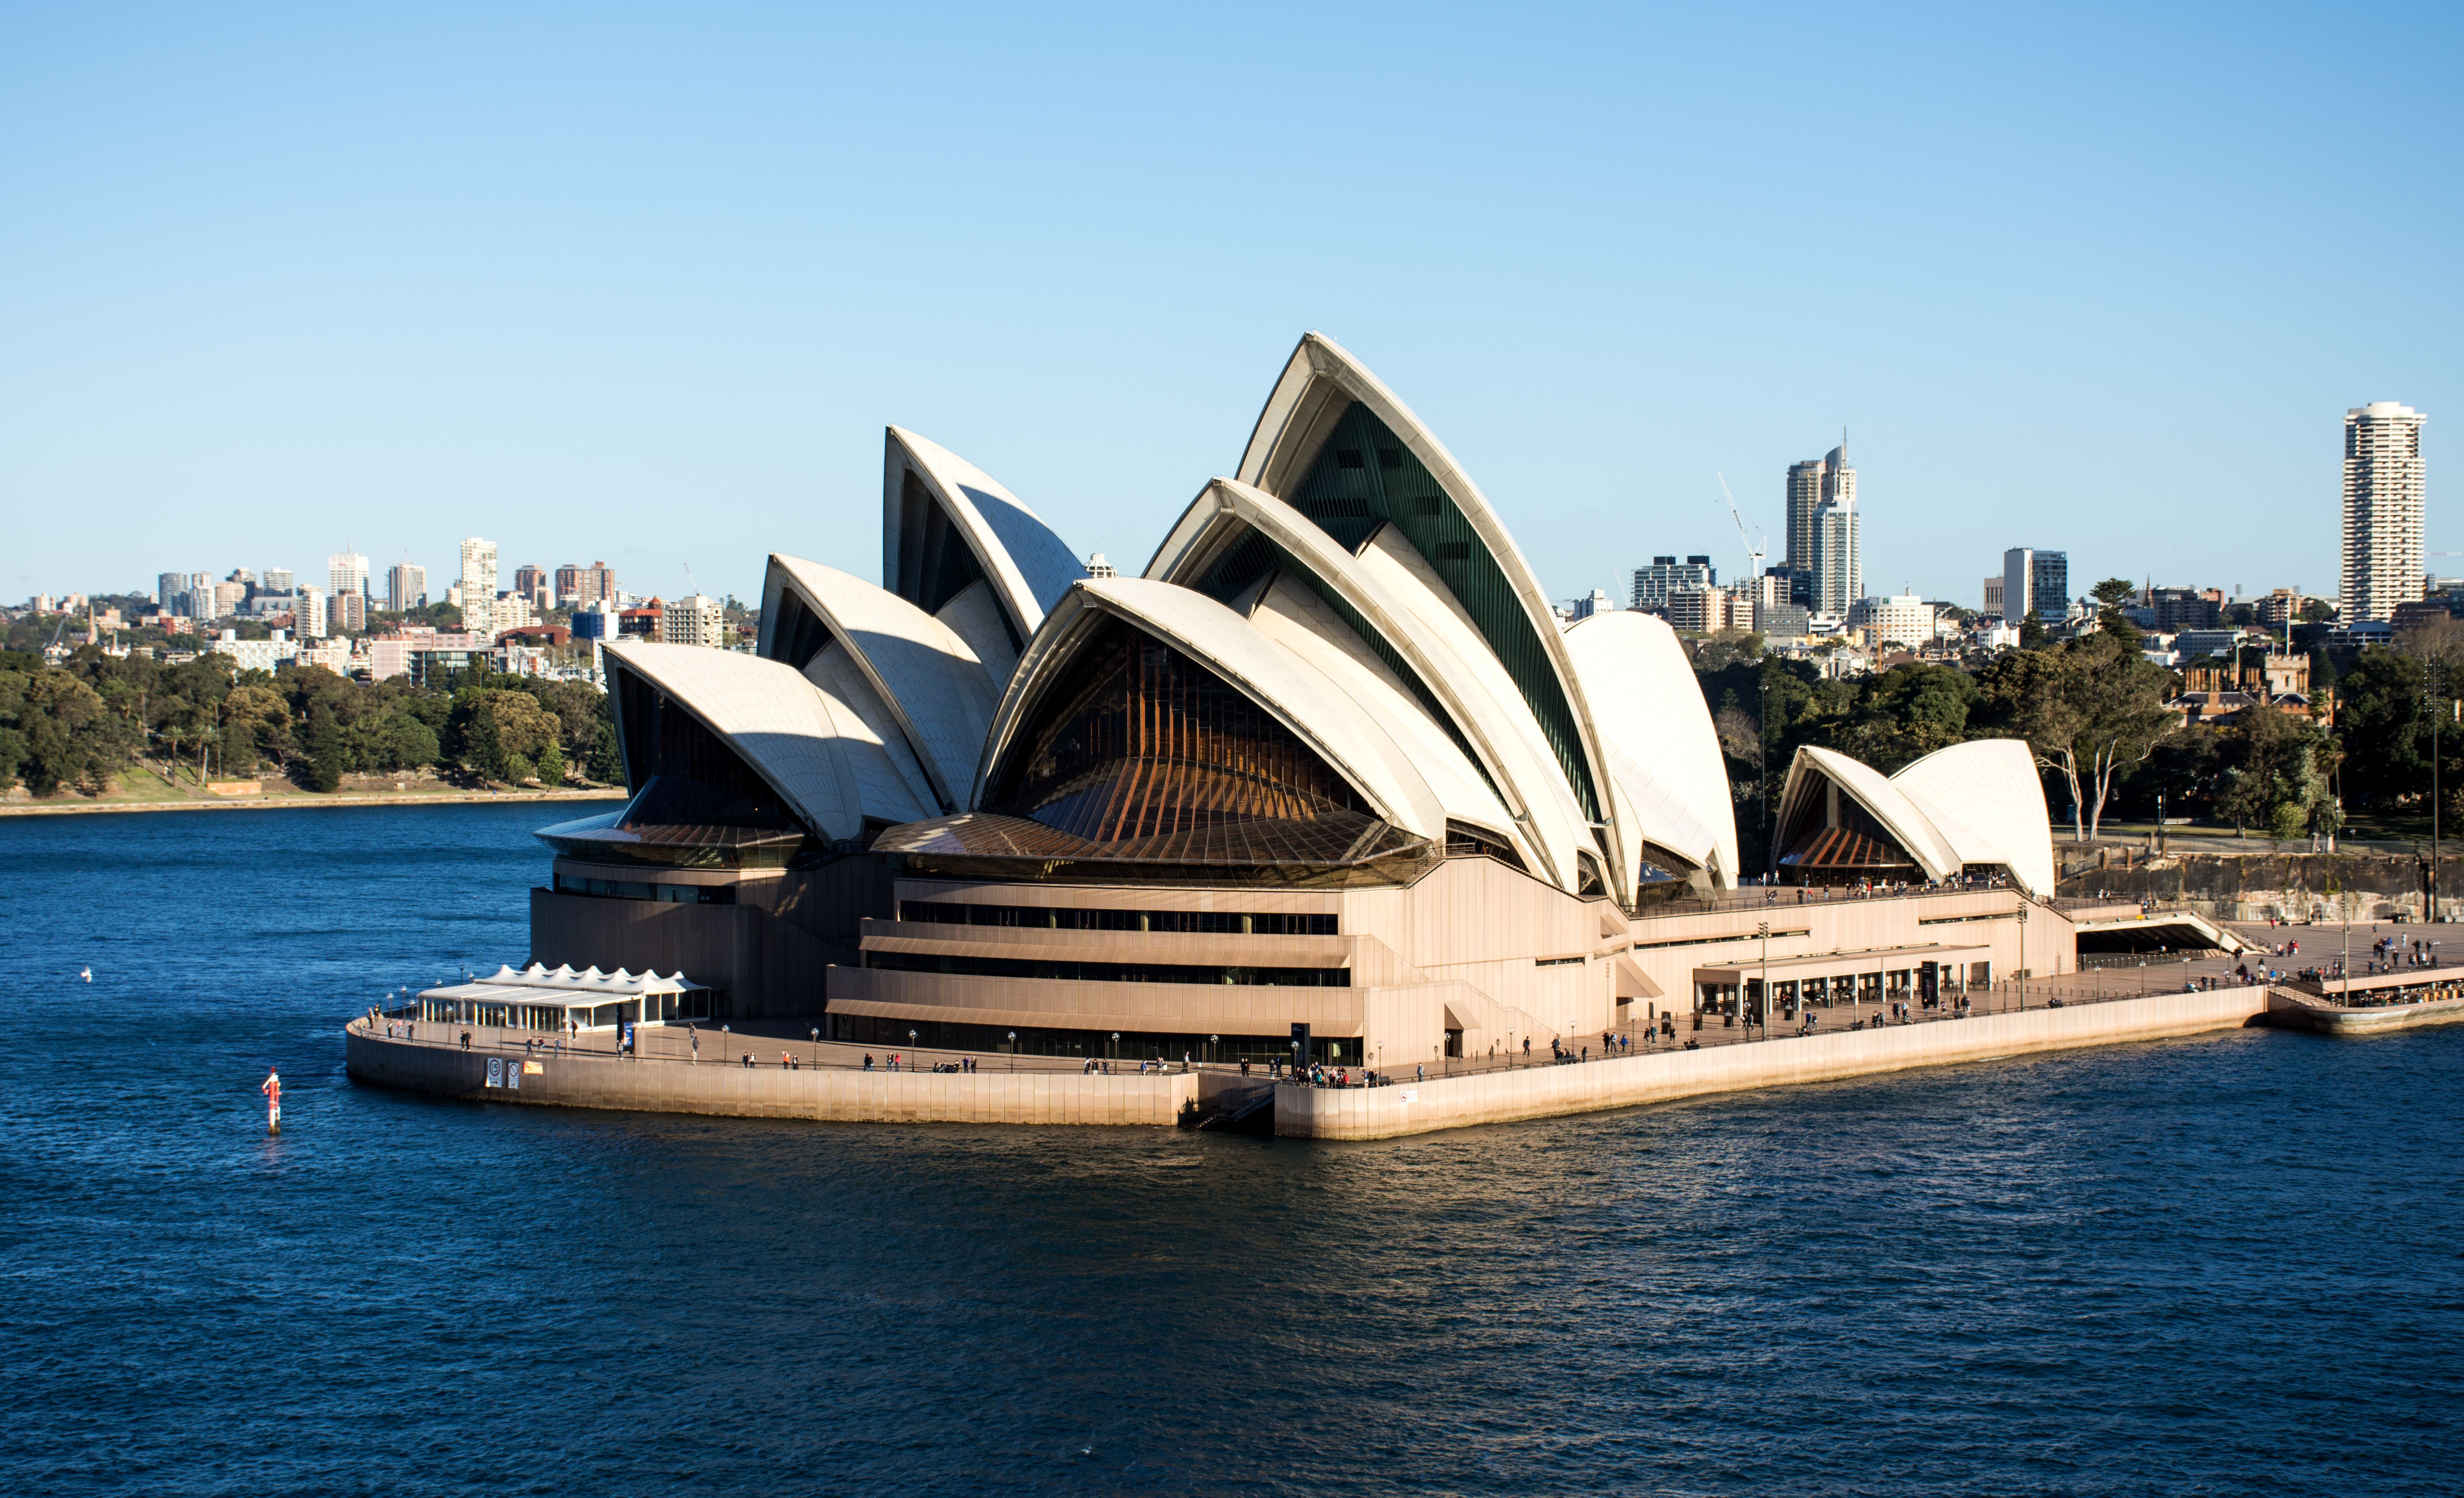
2394 952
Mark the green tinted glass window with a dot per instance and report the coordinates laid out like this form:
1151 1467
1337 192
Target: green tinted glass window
1348 497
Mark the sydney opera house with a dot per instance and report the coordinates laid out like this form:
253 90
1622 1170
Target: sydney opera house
1330 760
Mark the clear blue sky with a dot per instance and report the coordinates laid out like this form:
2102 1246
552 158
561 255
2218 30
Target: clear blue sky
644 283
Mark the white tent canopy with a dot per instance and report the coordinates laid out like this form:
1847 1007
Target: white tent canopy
540 998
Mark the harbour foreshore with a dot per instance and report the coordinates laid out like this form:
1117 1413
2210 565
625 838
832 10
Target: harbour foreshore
1040 1091
305 799
439 1065
1550 1092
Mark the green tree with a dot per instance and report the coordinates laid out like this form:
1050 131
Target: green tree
502 725
256 725
1898 717
2091 711
320 743
2112 596
551 765
2033 634
2275 774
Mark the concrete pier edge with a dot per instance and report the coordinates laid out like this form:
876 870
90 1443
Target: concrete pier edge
841 1094
826 1094
1663 1076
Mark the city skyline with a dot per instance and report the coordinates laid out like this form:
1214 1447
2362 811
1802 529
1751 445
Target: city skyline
268 272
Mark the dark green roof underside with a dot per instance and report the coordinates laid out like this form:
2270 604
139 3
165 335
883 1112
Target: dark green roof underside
1254 555
1365 476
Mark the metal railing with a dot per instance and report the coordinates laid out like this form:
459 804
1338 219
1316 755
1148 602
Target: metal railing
742 1051
1787 896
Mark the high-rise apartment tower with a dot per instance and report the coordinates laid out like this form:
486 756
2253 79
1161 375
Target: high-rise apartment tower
1839 553
478 583
346 572
2382 503
406 586
1809 484
2035 581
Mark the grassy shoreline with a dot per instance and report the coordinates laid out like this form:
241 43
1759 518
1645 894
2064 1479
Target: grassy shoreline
73 805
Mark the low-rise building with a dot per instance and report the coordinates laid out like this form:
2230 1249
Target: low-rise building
397 655
515 611
1900 619
1783 621
267 654
1706 610
1652 584
694 619
2195 643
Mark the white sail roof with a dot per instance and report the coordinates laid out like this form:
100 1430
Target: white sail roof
1319 382
1658 731
1988 790
765 711
1976 802
934 689
1301 697
1027 566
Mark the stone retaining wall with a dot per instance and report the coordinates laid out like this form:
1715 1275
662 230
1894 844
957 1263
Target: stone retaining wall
833 1093
2288 886
1588 1087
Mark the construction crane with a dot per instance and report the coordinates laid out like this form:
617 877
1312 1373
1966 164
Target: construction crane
1754 552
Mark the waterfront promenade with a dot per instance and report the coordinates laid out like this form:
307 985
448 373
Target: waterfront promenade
776 1068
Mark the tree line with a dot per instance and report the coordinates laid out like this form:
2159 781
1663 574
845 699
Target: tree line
82 726
2092 710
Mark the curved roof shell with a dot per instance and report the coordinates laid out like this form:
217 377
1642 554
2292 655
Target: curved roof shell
1321 389
1299 697
1663 749
1290 613
934 689
1405 616
1987 790
926 487
1902 818
1976 802
769 715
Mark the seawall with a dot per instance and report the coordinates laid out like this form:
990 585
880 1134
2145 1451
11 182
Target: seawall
1503 1096
838 1094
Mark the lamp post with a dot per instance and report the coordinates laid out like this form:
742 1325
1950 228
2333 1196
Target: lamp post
2023 957
1212 1042
1762 929
1013 1051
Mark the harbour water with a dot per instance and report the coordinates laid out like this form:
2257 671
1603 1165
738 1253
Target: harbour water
2223 1264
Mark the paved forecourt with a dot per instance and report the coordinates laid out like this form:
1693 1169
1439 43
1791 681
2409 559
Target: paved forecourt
1500 1096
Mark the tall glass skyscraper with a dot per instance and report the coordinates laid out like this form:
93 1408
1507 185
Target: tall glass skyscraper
1822 500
